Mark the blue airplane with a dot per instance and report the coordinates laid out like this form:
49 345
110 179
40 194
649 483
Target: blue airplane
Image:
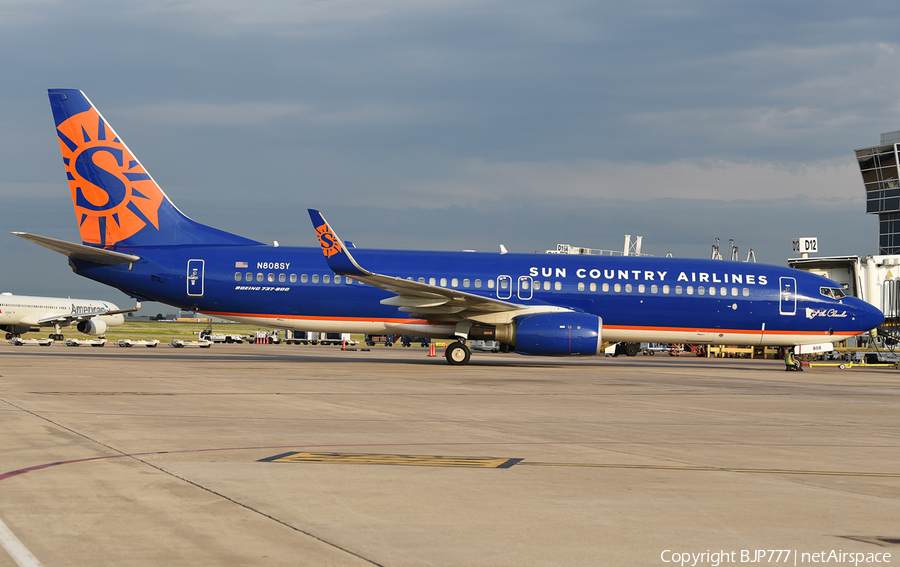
136 240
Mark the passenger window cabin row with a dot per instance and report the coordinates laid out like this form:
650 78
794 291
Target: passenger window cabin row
504 283
722 291
283 278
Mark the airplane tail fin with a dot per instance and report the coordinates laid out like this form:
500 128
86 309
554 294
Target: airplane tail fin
117 203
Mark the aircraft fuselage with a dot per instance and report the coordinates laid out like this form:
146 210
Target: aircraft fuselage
637 298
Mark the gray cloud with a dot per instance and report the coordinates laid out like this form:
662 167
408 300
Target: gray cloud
460 124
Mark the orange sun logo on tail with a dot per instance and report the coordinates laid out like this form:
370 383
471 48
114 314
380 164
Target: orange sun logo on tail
328 241
113 194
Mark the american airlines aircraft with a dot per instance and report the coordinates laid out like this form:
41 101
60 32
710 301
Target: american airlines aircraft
136 240
19 313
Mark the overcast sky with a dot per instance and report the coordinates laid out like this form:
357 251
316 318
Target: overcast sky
460 124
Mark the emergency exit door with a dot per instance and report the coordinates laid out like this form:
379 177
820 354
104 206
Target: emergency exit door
504 287
526 285
195 270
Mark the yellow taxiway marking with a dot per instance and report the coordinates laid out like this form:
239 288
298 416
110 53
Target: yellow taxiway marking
712 469
405 460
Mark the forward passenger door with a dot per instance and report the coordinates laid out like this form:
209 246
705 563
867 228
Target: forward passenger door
787 303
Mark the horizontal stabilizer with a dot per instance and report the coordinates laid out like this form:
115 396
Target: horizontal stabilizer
80 251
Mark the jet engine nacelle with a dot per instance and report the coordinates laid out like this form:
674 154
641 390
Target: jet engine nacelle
555 334
92 327
16 329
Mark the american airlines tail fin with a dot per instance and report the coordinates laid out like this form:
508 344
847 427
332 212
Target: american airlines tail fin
116 201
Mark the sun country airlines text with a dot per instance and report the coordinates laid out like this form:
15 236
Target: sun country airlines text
650 275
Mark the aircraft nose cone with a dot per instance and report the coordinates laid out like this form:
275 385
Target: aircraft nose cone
869 317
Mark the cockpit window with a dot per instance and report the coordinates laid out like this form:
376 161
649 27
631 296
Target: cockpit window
833 292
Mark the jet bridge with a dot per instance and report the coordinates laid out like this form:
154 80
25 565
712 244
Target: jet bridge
874 279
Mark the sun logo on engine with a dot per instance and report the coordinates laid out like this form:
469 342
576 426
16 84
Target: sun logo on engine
328 241
114 196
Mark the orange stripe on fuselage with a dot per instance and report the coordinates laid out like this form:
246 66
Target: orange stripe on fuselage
729 331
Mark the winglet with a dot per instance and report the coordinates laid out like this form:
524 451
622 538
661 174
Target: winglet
336 253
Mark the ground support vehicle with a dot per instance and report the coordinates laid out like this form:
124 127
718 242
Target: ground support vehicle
310 338
19 341
264 338
131 343
408 340
484 346
208 335
202 343
628 349
388 340
292 337
86 342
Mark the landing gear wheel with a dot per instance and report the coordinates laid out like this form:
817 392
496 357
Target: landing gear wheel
458 353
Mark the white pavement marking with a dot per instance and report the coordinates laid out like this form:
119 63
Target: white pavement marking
16 550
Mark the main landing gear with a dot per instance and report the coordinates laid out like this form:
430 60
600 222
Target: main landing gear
458 353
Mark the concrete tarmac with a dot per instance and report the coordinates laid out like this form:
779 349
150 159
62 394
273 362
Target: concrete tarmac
292 455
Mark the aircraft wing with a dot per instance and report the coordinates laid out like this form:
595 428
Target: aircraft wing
411 297
68 318
424 299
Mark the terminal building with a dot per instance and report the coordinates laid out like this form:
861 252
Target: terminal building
876 278
881 178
